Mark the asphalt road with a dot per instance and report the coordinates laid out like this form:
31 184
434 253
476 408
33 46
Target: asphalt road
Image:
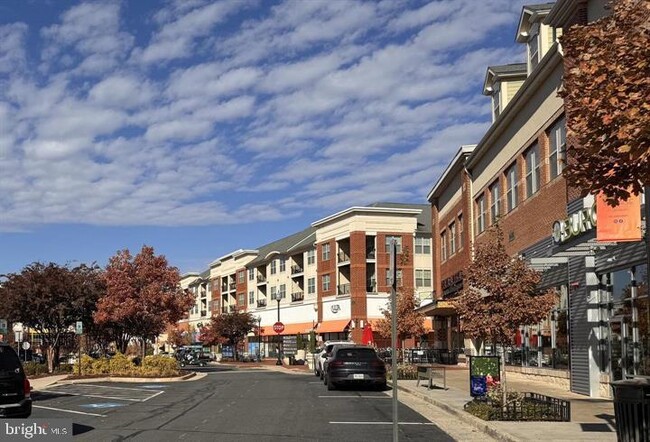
231 405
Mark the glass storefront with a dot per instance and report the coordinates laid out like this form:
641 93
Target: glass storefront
629 316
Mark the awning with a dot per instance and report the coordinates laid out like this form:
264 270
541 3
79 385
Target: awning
438 308
333 326
289 329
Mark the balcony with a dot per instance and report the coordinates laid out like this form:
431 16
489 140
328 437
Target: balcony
343 289
296 269
224 288
371 254
204 294
261 279
298 296
232 285
204 313
343 257
261 303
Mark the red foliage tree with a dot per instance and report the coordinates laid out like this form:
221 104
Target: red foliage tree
143 296
228 329
607 102
409 321
178 338
50 298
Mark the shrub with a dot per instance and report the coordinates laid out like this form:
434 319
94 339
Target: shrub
101 366
161 363
404 371
120 365
34 369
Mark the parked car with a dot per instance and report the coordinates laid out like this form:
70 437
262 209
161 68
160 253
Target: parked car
355 364
15 399
321 357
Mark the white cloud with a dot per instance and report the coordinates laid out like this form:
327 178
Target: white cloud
12 49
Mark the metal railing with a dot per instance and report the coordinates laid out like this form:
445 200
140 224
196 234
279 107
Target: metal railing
343 289
296 269
261 303
261 278
343 257
298 296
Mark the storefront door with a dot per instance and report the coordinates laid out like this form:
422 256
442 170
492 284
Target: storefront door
620 348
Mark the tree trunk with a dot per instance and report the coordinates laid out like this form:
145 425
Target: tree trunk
49 351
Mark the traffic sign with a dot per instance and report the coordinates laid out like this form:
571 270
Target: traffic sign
3 326
278 327
26 345
79 328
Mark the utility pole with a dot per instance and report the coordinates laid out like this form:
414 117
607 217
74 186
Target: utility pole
392 275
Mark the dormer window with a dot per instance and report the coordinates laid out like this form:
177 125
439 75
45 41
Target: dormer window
533 51
496 100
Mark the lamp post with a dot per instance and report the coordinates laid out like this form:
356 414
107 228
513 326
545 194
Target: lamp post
278 298
259 337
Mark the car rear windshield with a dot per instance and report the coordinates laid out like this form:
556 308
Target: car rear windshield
356 353
8 359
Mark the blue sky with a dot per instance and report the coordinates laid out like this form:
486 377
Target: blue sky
202 127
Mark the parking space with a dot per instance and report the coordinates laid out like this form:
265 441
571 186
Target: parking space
93 399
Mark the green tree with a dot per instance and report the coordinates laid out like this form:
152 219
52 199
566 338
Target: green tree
228 328
50 298
143 296
499 295
606 95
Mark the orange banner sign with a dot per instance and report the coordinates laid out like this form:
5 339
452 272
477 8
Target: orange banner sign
620 223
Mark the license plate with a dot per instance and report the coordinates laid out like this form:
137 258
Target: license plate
357 376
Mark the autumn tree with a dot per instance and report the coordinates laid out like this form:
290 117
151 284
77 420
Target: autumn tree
178 338
500 294
409 321
50 298
143 296
607 102
228 329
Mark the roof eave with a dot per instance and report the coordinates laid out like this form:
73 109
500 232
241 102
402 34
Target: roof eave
465 149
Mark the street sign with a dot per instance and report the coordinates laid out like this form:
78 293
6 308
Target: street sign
26 345
18 336
392 265
278 327
79 328
3 326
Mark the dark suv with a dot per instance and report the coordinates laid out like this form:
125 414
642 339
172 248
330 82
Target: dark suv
355 364
15 400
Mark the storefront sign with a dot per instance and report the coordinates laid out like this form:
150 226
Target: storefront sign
290 344
576 224
452 284
620 223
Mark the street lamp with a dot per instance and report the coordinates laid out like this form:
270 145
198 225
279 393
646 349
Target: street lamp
259 337
278 298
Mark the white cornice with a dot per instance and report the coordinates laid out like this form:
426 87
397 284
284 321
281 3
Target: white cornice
372 210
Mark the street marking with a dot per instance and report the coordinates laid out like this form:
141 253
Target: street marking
354 397
69 411
93 395
103 405
151 397
381 423
106 386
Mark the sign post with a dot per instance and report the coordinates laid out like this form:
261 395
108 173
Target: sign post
392 279
78 330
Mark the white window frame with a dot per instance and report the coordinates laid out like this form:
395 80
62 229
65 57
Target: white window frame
283 291
398 240
533 181
422 278
460 231
326 283
496 100
311 286
452 238
480 214
251 297
422 245
557 147
326 252
495 202
283 265
512 191
274 267
311 257
443 246
533 48
251 274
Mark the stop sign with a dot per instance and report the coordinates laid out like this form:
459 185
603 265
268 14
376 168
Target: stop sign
278 327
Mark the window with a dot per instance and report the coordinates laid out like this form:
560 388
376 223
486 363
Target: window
557 147
311 286
251 298
311 257
399 277
274 267
460 231
495 202
326 252
422 278
443 245
511 194
326 283
533 49
274 291
422 245
283 265
398 240
241 275
532 170
241 299
452 239
283 291
251 274
480 214
496 100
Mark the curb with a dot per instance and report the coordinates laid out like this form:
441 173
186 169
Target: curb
477 423
131 380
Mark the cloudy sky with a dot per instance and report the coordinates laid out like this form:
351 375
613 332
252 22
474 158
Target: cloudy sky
202 127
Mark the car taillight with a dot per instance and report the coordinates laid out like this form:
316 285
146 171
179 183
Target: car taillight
27 388
336 364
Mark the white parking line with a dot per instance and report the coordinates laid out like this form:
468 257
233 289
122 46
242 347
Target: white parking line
106 386
67 393
363 397
68 411
381 423
151 397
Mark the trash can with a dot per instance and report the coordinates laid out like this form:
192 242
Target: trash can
632 409
292 360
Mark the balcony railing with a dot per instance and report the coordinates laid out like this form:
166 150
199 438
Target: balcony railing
371 254
204 313
344 289
232 285
343 257
261 303
204 294
298 296
261 278
224 288
296 269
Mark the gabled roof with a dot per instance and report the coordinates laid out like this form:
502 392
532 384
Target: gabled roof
453 168
503 72
531 14
282 246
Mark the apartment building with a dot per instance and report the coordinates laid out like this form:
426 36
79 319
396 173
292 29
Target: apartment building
330 277
514 176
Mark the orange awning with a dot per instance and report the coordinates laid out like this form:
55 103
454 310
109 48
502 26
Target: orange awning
289 329
333 326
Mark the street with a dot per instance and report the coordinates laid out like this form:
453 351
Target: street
233 405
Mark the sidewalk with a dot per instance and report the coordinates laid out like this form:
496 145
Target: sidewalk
591 419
